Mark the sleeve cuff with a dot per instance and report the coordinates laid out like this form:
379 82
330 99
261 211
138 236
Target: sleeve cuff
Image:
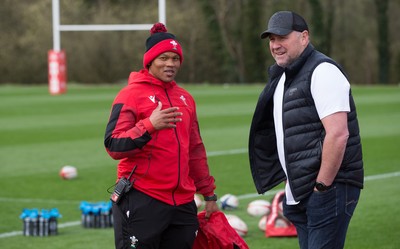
148 125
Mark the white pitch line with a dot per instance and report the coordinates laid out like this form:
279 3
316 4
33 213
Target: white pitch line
63 225
10 234
382 176
70 224
367 178
227 152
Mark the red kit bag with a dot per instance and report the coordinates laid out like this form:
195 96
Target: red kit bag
216 233
277 224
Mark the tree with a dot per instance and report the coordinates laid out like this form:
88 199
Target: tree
235 26
254 49
220 38
383 40
215 34
322 32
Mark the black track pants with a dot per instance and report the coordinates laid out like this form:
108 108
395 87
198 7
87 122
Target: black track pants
143 222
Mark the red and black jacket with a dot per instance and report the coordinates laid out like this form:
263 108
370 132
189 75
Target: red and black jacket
171 163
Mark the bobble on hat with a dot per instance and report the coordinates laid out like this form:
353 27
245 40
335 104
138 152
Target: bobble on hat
157 33
160 41
158 28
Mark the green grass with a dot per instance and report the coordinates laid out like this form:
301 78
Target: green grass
40 133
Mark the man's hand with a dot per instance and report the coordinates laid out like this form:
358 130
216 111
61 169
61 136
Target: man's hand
210 207
164 119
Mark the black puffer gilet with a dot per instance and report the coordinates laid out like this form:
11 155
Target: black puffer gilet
303 132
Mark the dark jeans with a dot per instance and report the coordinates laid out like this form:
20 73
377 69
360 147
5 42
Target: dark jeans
322 219
152 224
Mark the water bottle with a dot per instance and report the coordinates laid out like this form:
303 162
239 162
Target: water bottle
82 207
34 223
96 215
104 222
25 216
107 209
54 215
87 212
44 223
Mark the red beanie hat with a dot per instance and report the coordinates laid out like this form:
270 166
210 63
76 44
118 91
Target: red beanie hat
160 42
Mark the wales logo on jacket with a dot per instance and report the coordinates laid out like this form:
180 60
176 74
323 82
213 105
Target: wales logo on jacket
152 98
183 99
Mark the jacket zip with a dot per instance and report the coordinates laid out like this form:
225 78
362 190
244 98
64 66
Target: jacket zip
179 153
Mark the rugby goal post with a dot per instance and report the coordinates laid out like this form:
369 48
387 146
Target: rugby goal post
57 58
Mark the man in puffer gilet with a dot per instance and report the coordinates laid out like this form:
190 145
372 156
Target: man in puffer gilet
305 132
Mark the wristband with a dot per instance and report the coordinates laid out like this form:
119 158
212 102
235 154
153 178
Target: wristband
211 198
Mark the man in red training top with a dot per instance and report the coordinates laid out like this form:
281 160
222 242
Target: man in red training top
153 130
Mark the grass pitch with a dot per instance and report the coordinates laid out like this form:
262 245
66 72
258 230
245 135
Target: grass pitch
40 133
